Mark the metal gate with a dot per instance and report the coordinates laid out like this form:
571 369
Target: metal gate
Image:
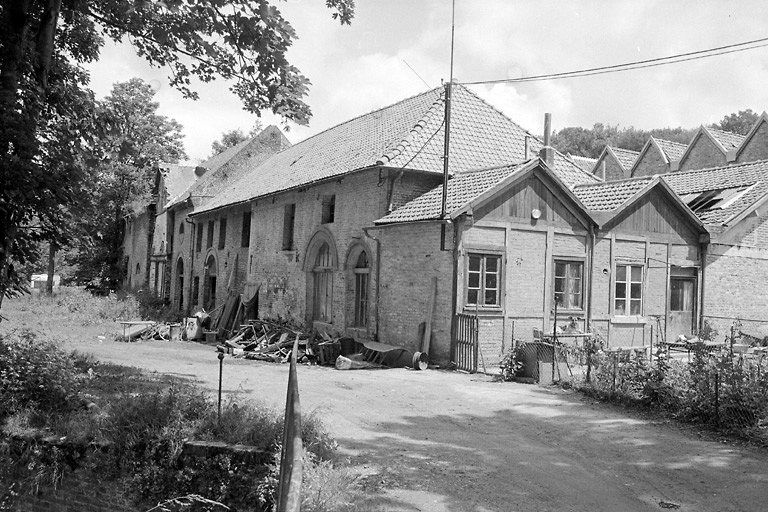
465 343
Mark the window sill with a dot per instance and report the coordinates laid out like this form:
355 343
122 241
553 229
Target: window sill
483 310
628 319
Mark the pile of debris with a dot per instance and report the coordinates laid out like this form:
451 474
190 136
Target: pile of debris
139 330
273 341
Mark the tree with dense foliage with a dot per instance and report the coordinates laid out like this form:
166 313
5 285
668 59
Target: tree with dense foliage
234 137
243 41
740 122
134 140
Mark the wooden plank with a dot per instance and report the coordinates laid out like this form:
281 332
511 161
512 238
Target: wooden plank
430 313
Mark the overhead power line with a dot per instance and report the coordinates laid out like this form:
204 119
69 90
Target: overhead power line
640 64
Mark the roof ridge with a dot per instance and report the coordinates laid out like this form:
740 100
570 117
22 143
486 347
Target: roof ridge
505 116
659 139
492 167
400 147
732 166
615 182
366 114
614 148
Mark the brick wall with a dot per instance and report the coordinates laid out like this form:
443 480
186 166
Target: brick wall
757 236
703 154
410 258
135 247
651 162
735 280
613 169
285 277
756 148
410 185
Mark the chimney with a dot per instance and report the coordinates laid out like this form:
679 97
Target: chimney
547 153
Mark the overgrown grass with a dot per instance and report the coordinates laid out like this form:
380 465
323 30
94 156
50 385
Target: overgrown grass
146 420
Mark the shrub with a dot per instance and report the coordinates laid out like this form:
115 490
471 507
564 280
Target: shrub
512 365
35 373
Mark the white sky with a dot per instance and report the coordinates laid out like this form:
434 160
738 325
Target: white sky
355 69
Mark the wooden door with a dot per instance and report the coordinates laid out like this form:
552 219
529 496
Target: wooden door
682 302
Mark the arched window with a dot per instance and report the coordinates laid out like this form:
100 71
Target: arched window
138 268
181 227
361 273
323 285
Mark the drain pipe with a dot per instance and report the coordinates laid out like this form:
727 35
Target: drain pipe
378 277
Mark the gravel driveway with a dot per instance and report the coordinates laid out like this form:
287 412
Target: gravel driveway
443 441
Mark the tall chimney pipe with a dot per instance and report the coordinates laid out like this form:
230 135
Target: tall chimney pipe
547 153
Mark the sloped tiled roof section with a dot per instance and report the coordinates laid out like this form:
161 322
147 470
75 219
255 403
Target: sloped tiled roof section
226 167
585 163
673 150
462 188
747 182
605 197
406 134
177 178
729 140
626 157
752 177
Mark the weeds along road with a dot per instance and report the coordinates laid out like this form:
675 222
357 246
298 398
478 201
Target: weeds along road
441 441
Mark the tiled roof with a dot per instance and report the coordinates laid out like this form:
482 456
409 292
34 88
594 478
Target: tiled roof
177 178
754 175
226 167
751 174
462 188
673 150
406 134
584 162
605 197
626 157
729 140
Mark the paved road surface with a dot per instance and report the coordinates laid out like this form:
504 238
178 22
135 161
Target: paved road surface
440 441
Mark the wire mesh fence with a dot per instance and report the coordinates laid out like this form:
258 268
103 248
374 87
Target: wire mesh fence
719 382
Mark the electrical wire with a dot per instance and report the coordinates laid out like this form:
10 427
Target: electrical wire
628 66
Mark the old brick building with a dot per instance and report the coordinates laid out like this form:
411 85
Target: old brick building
298 224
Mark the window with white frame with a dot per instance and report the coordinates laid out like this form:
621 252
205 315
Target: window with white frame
483 280
628 297
568 284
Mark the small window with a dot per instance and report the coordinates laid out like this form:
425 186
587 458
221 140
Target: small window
289 218
138 268
209 241
483 278
628 299
245 237
329 209
199 243
222 233
682 293
195 290
568 284
181 227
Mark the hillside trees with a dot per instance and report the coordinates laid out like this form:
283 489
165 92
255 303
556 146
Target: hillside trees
243 41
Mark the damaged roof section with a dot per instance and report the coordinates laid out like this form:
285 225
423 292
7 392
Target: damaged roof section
407 134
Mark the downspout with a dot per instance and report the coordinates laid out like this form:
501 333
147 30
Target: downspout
378 278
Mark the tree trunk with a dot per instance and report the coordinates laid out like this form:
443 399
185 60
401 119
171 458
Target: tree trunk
51 268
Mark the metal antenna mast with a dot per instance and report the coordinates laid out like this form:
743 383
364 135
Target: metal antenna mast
447 138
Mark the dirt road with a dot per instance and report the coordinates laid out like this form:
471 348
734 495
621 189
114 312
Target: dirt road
440 441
